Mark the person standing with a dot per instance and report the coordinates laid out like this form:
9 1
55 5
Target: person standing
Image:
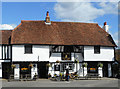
67 74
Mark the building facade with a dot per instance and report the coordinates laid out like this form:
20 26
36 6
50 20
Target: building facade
48 48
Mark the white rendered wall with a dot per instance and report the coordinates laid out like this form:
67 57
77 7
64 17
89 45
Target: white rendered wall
80 72
100 72
85 71
17 72
40 53
54 57
57 56
106 54
34 71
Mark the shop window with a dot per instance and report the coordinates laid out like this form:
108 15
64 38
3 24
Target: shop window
66 56
64 66
92 67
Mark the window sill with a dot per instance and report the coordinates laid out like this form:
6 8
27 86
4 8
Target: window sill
28 53
96 53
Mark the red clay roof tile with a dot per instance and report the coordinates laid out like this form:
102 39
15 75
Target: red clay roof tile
60 33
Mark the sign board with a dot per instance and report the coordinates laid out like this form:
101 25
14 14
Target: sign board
57 67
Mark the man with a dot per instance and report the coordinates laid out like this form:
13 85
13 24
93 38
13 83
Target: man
67 74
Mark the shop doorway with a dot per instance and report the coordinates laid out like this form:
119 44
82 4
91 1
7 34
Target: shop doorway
6 70
105 70
43 70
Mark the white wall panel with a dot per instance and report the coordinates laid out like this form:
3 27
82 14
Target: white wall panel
40 53
106 54
55 56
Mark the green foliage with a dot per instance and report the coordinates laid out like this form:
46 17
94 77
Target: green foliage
84 64
100 65
76 61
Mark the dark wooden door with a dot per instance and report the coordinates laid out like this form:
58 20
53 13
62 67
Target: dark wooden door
6 70
105 69
43 70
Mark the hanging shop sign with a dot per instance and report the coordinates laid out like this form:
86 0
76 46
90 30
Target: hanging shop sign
57 67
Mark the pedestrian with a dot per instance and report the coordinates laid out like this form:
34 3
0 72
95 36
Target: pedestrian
67 74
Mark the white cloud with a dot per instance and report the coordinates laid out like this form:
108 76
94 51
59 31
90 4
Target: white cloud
7 26
109 8
84 11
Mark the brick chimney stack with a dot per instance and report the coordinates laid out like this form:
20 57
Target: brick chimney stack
47 19
106 27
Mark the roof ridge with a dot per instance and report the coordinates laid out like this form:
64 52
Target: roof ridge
30 20
54 21
74 22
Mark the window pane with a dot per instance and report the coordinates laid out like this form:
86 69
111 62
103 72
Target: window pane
28 48
96 49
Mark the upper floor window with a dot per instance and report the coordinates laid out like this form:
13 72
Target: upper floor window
66 56
28 48
97 49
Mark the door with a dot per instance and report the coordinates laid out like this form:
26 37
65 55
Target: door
6 70
43 70
105 70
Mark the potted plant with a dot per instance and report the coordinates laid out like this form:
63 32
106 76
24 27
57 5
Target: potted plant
13 66
76 61
100 65
30 65
48 65
84 64
57 61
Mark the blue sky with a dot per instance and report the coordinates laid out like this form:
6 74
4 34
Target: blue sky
14 12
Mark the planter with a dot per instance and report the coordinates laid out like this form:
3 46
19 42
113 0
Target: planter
30 65
13 66
48 65
76 61
84 65
57 61
100 65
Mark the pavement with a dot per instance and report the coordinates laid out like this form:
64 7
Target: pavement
104 82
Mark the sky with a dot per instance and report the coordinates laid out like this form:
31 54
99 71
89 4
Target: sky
88 12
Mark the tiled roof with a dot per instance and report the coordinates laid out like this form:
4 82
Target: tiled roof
5 36
60 33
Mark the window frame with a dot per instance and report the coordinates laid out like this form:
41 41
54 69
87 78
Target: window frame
97 49
25 52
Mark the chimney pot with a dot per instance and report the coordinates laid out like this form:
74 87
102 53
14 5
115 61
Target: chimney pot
47 13
106 27
105 23
47 19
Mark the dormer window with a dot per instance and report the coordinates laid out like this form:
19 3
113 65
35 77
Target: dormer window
97 49
28 48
